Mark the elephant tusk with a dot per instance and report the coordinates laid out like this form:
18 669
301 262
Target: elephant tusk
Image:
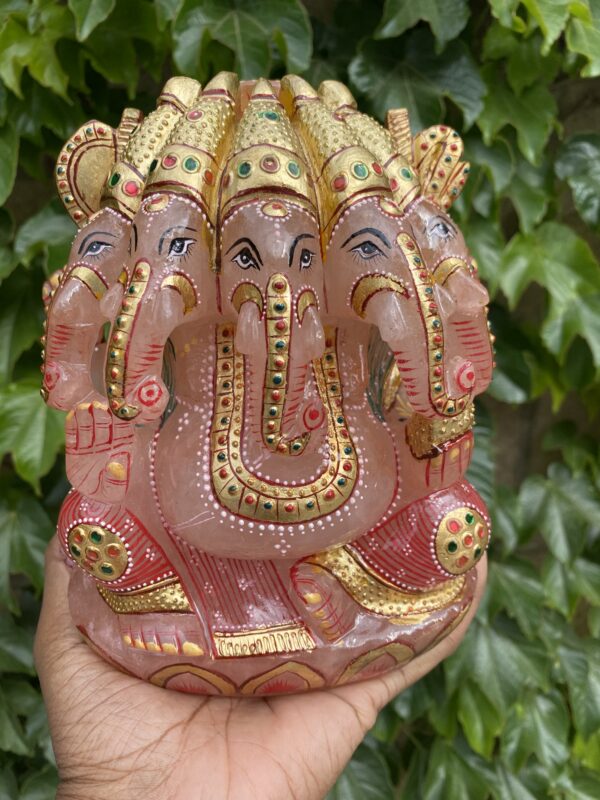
371 285
182 284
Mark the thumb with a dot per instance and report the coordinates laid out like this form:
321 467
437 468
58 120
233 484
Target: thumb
56 635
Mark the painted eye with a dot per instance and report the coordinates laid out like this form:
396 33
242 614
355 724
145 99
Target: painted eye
180 246
96 247
306 258
367 250
245 259
442 230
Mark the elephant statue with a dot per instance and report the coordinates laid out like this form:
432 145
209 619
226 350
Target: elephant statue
268 447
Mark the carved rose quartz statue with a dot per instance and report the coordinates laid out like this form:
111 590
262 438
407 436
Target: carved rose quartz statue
268 340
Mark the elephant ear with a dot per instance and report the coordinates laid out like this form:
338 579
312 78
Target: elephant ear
435 154
86 160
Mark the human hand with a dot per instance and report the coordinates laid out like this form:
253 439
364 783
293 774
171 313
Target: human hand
119 738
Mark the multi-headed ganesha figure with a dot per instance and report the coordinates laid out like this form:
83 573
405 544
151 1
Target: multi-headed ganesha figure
268 339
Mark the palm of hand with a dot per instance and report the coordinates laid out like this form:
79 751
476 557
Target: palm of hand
120 738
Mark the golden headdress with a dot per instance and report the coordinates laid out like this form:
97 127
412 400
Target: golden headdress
404 182
123 189
436 154
266 157
345 170
190 163
86 160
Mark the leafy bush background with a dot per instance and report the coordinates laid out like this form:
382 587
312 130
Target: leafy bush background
515 713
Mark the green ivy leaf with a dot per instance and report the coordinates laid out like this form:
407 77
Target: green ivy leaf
9 155
365 778
585 577
446 18
551 16
112 54
505 12
12 737
581 669
530 191
558 260
16 646
417 79
480 721
166 11
247 32
89 14
50 227
538 724
450 777
30 431
41 785
532 114
560 507
578 163
516 588
583 36
21 318
26 531
499 661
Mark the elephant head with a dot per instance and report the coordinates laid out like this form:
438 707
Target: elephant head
381 266
170 279
95 272
271 273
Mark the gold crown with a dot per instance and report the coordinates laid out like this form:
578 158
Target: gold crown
266 156
346 171
191 161
123 190
436 157
86 160
403 180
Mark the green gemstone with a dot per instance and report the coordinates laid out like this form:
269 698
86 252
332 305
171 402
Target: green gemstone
227 384
296 446
224 420
270 438
406 173
268 505
277 380
477 552
154 165
340 420
293 168
279 306
232 489
448 159
106 569
341 481
191 164
75 550
280 344
96 536
360 170
221 457
416 260
452 546
114 179
226 349
272 412
333 387
469 517
436 323
450 409
244 169
89 131
437 387
438 356
271 115
347 450
328 357
310 504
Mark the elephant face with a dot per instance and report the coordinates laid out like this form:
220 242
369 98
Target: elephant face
382 267
79 307
170 282
271 285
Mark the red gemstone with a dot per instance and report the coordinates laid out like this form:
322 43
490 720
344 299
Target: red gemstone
279 363
226 180
468 540
329 494
194 115
223 473
276 395
226 333
347 466
410 245
454 525
454 147
169 161
313 414
222 439
131 188
92 555
289 507
437 338
279 286
250 499
441 173
339 183
225 366
437 371
393 184
77 537
101 131
377 168
271 425
113 550
209 177
423 145
226 401
462 561
443 128
280 325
